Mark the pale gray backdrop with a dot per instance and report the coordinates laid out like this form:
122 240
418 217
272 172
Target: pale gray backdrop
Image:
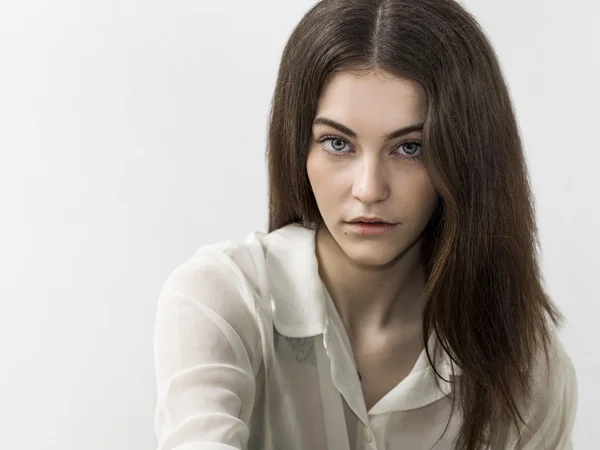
133 132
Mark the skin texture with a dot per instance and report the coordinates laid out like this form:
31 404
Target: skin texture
376 282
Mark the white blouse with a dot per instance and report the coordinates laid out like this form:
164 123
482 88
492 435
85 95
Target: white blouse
250 353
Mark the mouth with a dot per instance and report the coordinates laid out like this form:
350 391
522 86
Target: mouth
371 228
374 220
372 223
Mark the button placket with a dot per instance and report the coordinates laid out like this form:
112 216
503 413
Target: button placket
367 434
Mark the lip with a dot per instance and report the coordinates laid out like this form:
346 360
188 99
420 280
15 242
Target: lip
371 229
370 219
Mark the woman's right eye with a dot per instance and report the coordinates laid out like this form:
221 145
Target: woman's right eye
337 144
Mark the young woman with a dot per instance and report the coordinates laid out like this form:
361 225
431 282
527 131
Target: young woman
396 301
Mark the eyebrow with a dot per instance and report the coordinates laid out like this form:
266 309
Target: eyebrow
349 132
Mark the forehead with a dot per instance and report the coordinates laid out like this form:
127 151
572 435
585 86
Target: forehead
375 101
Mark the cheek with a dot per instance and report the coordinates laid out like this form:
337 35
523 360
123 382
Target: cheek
313 168
419 196
321 176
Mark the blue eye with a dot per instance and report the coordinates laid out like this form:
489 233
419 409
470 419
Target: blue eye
335 141
411 148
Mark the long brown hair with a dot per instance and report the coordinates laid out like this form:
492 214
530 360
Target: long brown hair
484 297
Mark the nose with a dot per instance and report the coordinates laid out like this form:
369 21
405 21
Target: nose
370 182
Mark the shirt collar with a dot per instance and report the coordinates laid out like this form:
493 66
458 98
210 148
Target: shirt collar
294 282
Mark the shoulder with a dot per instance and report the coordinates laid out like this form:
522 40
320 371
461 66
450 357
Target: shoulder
226 269
556 373
551 411
237 266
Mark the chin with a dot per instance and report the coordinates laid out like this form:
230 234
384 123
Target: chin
372 253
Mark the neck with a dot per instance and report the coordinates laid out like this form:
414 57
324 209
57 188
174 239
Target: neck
372 298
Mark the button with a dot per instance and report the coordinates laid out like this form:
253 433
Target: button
367 435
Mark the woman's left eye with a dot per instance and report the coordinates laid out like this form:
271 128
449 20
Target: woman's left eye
411 147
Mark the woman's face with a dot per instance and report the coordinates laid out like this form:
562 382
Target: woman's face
355 171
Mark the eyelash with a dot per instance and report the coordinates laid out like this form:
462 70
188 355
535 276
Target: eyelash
339 154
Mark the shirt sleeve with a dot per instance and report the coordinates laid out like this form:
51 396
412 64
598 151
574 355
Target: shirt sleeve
206 354
552 415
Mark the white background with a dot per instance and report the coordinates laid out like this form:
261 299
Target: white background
131 133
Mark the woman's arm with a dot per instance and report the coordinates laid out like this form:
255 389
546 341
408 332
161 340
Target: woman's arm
207 352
